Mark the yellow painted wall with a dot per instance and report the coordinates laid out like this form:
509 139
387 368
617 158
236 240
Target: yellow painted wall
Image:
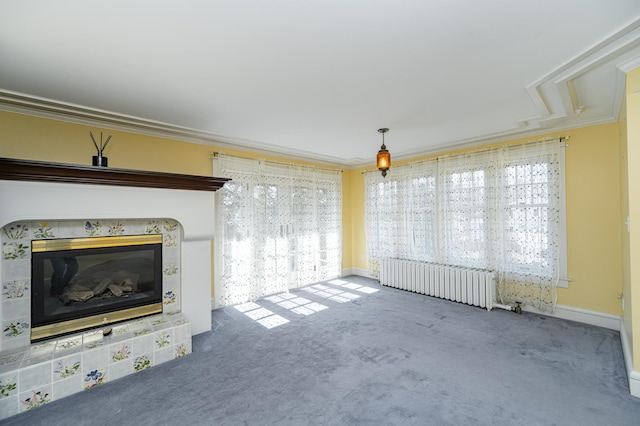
593 220
632 296
624 235
358 250
34 138
593 191
593 217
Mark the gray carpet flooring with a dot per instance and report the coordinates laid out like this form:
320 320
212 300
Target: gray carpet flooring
384 358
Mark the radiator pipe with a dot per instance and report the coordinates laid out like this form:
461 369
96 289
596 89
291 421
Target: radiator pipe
517 309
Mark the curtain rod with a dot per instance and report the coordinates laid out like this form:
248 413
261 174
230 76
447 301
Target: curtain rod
559 138
214 155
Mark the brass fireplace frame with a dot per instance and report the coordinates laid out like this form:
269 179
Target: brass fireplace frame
39 246
93 321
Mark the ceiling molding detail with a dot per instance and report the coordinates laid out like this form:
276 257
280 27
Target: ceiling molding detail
48 108
561 81
556 97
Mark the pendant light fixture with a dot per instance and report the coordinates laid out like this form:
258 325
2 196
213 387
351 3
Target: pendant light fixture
383 160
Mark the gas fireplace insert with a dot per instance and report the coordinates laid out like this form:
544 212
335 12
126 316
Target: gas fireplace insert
83 283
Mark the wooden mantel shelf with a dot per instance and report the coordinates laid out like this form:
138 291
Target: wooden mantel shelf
13 169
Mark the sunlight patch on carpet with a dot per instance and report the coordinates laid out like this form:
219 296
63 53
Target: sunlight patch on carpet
354 286
272 321
261 315
296 304
335 294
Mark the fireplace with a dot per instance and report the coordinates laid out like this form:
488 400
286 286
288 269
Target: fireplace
82 283
99 203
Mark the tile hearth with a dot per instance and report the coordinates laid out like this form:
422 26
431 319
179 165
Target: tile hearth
32 375
54 369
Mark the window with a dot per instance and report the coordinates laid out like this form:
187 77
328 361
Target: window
498 209
279 226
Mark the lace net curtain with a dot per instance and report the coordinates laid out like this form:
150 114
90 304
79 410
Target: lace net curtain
278 226
498 209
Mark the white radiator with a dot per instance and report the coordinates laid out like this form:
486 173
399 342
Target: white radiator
465 285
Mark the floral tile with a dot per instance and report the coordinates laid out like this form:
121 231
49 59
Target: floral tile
95 378
15 250
116 228
119 333
170 225
67 367
93 339
142 362
119 351
163 339
159 321
169 298
16 231
183 349
180 321
16 289
15 328
153 227
8 385
42 230
68 345
35 398
93 229
171 240
170 269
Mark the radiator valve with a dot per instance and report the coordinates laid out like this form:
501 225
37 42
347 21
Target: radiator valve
518 309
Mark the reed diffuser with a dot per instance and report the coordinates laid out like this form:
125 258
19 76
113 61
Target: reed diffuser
100 160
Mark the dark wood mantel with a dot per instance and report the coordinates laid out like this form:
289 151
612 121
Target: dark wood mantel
13 169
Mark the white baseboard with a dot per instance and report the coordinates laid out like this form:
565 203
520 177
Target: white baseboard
356 271
581 315
632 375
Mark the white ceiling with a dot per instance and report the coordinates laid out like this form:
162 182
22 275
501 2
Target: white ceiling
316 79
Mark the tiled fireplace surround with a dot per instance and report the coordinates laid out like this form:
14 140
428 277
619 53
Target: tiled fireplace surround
31 375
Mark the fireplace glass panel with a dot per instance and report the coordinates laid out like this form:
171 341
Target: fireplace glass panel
88 282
